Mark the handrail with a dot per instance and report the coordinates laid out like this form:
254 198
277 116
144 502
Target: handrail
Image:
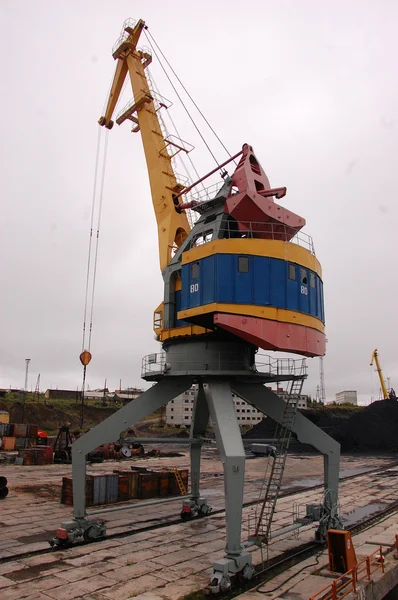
347 583
265 364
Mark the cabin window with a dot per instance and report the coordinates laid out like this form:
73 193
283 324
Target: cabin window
292 272
243 264
312 280
303 274
195 270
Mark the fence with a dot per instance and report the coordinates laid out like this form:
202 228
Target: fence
347 583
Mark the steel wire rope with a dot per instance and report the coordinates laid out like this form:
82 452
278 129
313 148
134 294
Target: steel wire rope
148 33
179 156
181 100
101 196
91 233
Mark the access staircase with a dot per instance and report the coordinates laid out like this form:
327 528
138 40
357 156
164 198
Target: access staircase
260 526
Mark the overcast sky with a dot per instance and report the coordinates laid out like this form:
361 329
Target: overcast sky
311 85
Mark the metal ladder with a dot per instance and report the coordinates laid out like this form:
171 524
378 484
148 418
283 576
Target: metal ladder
180 482
275 466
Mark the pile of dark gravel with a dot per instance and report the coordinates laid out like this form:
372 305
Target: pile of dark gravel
371 428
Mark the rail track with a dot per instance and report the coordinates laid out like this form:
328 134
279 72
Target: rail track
263 573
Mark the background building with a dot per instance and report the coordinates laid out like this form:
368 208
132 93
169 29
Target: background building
179 410
347 397
302 401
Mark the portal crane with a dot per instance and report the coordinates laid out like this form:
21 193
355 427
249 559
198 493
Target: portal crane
243 277
387 395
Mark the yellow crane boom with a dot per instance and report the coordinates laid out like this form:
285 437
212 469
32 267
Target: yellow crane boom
173 227
375 359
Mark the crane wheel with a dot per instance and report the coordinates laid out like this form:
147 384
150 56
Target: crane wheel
110 125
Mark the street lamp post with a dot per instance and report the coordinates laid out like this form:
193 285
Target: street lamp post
27 361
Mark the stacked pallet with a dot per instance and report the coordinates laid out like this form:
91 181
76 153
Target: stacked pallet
123 485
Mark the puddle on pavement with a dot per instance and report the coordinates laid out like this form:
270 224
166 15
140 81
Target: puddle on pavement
31 572
306 482
362 513
43 536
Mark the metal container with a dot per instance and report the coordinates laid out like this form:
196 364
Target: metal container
4 429
32 431
123 488
99 488
20 430
112 485
21 442
164 484
148 485
8 443
174 489
67 491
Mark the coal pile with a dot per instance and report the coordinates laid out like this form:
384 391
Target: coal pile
375 428
360 429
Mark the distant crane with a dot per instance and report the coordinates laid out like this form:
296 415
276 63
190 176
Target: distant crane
387 395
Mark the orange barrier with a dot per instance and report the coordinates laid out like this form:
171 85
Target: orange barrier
347 583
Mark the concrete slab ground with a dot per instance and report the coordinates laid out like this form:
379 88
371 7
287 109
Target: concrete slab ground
168 562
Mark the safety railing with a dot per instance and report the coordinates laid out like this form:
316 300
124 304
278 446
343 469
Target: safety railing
157 363
129 23
258 230
347 583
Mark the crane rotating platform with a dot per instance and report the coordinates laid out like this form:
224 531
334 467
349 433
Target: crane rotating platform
244 277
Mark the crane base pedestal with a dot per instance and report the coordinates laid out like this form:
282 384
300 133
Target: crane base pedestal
220 368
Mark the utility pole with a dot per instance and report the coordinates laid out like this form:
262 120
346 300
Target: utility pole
103 396
27 361
36 395
322 390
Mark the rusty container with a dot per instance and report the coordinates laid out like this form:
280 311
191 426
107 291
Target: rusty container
39 456
8 443
67 491
32 431
148 485
26 456
123 488
163 484
19 430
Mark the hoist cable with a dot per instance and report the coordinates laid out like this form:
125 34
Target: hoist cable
148 33
184 166
98 232
91 232
182 102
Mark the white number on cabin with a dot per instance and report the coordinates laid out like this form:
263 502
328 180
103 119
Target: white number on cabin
304 290
194 288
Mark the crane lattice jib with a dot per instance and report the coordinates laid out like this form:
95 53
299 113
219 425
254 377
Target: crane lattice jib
173 227
375 358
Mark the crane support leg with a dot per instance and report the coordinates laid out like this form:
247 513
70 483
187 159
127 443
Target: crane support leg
200 420
106 432
230 445
197 506
271 405
109 430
